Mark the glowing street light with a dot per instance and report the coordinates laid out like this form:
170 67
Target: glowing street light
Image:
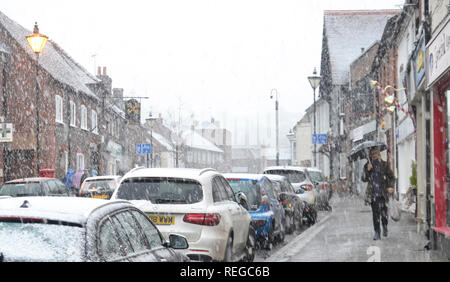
37 42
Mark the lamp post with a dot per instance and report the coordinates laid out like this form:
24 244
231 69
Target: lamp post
314 80
37 42
276 122
151 121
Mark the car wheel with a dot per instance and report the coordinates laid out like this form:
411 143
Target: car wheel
281 235
228 250
250 245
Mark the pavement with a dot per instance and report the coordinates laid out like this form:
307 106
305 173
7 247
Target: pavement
346 235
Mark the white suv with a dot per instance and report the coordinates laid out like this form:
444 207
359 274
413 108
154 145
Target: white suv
196 203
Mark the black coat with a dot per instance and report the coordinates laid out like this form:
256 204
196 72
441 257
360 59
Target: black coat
387 180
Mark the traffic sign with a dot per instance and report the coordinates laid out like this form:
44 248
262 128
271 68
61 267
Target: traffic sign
143 148
319 139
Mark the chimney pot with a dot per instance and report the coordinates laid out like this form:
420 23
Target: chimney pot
104 71
99 71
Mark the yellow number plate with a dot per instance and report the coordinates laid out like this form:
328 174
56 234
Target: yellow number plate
162 219
100 196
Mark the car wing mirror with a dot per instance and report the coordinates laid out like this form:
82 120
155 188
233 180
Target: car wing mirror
178 242
242 199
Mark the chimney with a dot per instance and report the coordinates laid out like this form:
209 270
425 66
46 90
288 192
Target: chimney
106 80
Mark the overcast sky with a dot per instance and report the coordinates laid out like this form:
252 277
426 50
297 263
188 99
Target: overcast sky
212 58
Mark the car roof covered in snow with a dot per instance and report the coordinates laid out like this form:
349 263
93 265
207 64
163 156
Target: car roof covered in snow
296 168
251 176
65 209
185 173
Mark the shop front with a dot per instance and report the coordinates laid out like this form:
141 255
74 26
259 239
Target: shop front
438 59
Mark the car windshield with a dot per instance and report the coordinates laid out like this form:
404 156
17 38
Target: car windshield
315 176
250 188
40 242
161 190
21 189
294 176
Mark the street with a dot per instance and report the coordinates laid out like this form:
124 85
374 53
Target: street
345 235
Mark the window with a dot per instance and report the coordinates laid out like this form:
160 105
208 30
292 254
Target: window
58 109
228 189
72 114
80 161
343 166
150 231
109 247
94 122
131 228
83 124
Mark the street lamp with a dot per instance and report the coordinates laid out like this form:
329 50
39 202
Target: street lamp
37 42
314 80
151 121
276 114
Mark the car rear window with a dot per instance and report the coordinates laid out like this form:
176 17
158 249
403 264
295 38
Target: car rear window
21 189
105 184
294 176
316 176
250 188
40 242
161 190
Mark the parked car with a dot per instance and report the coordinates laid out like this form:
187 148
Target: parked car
266 211
298 177
303 186
321 186
292 204
101 187
64 229
197 203
36 186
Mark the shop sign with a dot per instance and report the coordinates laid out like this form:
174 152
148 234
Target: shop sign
438 55
419 61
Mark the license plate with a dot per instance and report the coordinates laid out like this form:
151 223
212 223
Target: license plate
100 196
162 219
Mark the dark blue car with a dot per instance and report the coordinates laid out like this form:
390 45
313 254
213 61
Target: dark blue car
266 211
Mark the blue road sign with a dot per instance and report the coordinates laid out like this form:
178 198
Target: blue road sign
319 139
143 149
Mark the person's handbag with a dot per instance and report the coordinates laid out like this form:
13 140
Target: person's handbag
395 209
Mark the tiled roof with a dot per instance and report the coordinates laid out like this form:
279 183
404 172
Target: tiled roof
349 31
53 59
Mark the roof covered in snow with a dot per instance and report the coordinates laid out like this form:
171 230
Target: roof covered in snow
162 140
195 140
53 59
349 31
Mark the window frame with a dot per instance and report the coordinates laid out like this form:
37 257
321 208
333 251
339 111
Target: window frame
83 117
59 109
73 113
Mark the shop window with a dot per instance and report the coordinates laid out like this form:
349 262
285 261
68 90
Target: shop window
447 192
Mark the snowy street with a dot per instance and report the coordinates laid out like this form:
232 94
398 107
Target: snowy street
345 235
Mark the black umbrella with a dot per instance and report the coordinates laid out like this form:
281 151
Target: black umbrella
361 151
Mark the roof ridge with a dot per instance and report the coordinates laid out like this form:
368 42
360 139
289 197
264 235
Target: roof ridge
362 12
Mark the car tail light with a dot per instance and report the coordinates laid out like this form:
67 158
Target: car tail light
209 219
258 223
307 187
325 186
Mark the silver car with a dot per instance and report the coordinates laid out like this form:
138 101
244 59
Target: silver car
60 229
